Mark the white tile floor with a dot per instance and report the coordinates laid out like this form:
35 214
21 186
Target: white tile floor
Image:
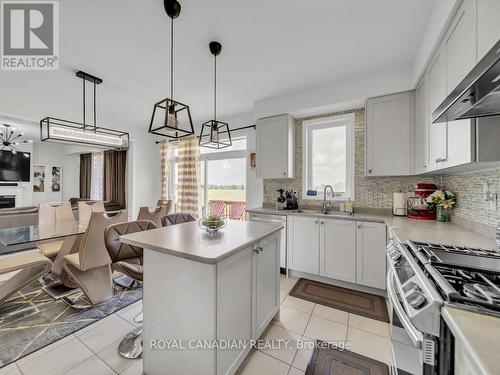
93 350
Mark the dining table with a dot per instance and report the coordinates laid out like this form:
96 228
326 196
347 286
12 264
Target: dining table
44 232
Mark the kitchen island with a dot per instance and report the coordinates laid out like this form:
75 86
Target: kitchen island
206 296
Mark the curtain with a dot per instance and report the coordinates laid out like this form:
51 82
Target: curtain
96 181
114 176
187 186
164 169
85 175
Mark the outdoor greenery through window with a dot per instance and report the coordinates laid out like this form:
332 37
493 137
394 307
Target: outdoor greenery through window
222 176
328 156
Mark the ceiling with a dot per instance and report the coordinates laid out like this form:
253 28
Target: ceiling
269 48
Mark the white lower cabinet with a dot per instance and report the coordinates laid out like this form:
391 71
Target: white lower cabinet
371 241
303 244
266 297
338 250
345 250
247 298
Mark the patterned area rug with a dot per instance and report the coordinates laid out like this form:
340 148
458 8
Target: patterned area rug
31 319
365 304
327 360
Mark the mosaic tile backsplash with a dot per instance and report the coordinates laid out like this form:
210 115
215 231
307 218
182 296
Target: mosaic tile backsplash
376 192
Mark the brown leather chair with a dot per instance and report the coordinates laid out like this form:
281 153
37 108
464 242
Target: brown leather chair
177 218
154 216
90 266
128 260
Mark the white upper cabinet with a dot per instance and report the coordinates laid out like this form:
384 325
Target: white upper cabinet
460 44
488 25
461 56
437 93
275 147
389 124
421 147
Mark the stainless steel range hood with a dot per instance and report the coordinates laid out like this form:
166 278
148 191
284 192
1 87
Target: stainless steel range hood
478 95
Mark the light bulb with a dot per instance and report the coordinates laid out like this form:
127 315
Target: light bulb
215 134
14 152
26 155
171 118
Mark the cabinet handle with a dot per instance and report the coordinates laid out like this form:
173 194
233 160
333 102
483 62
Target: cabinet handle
359 226
322 222
315 221
256 250
369 171
284 173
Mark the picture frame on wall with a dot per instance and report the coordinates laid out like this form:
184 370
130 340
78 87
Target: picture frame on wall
55 182
38 178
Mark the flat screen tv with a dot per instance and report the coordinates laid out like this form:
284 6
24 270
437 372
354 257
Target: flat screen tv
14 167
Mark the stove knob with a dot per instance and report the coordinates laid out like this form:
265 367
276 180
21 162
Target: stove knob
416 299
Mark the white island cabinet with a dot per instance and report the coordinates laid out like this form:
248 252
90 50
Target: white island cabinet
203 293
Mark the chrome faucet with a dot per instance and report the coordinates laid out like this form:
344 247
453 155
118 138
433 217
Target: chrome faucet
324 210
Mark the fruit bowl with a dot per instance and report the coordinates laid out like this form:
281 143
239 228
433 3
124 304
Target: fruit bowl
212 223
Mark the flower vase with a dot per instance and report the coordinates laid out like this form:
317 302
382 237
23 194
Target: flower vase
443 214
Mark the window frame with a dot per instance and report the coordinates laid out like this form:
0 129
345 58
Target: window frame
347 120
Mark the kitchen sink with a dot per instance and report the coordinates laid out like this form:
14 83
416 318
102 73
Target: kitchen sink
318 212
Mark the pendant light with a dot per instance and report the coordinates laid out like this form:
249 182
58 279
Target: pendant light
54 129
171 119
214 133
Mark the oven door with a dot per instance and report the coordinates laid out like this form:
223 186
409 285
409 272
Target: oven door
406 339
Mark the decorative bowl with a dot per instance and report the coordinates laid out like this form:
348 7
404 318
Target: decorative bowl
212 223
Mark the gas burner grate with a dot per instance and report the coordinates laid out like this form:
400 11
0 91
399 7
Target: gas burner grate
430 247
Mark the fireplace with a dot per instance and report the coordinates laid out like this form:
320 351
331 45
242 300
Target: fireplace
7 201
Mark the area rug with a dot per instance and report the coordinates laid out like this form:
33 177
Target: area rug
31 319
326 360
360 303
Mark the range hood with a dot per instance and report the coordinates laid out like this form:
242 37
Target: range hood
478 95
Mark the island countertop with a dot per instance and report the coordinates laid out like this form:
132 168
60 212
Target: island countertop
189 241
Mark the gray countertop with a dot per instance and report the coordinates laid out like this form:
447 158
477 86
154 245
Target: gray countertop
434 231
361 216
189 241
479 334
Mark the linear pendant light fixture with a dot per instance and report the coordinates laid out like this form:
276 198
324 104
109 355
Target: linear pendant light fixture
170 118
214 133
58 130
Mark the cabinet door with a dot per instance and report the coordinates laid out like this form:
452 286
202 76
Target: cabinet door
389 132
338 250
234 307
267 279
274 147
461 45
303 244
488 26
370 251
437 93
461 58
421 128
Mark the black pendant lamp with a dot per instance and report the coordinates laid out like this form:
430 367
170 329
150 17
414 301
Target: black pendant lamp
214 133
171 119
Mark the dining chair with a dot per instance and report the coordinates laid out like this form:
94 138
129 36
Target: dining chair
237 210
128 260
177 218
217 208
90 266
154 216
165 202
48 217
28 266
85 209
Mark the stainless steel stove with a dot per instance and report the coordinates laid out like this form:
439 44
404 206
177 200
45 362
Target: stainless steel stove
467 277
425 276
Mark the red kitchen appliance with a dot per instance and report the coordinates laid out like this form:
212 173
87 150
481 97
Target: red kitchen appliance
417 207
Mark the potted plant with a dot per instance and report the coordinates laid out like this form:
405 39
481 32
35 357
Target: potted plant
443 200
